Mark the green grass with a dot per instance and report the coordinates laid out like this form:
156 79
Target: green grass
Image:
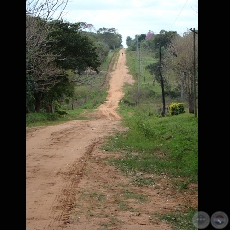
166 145
45 119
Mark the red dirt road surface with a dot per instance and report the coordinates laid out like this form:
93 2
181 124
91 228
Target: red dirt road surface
69 185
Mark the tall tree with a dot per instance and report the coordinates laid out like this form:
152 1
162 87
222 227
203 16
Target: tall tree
75 50
164 38
128 41
41 72
179 62
110 37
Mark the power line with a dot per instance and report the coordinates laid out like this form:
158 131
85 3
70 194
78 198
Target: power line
179 13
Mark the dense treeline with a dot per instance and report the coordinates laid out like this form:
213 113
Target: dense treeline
59 53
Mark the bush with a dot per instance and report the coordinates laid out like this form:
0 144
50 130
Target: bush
176 108
61 112
52 116
128 102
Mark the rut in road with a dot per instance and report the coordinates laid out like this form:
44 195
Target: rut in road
65 200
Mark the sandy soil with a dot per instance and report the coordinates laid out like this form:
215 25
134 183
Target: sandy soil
69 185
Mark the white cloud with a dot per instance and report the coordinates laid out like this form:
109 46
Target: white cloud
131 17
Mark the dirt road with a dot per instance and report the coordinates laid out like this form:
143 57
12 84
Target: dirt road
69 185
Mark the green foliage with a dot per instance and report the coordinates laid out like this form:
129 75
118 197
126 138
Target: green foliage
94 99
176 108
128 102
64 47
128 41
105 65
61 112
150 93
141 37
153 68
75 50
110 37
102 50
63 88
164 38
29 93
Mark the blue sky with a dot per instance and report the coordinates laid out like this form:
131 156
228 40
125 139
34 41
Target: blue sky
131 17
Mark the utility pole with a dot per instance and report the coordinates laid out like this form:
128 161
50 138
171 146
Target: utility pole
141 70
139 74
162 83
138 56
194 69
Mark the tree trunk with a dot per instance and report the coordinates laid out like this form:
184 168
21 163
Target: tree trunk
162 87
191 103
52 108
163 96
38 101
48 108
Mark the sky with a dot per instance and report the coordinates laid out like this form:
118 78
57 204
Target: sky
133 17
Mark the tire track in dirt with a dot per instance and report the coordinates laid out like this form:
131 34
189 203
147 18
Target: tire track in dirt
66 199
55 164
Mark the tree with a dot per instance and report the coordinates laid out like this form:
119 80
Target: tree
87 27
161 41
128 41
149 35
162 83
42 76
164 38
102 50
38 13
110 37
179 60
63 88
52 48
41 72
75 50
141 37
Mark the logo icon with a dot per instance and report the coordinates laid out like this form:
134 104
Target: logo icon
201 220
219 220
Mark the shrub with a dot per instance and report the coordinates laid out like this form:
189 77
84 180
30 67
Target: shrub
52 116
176 108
